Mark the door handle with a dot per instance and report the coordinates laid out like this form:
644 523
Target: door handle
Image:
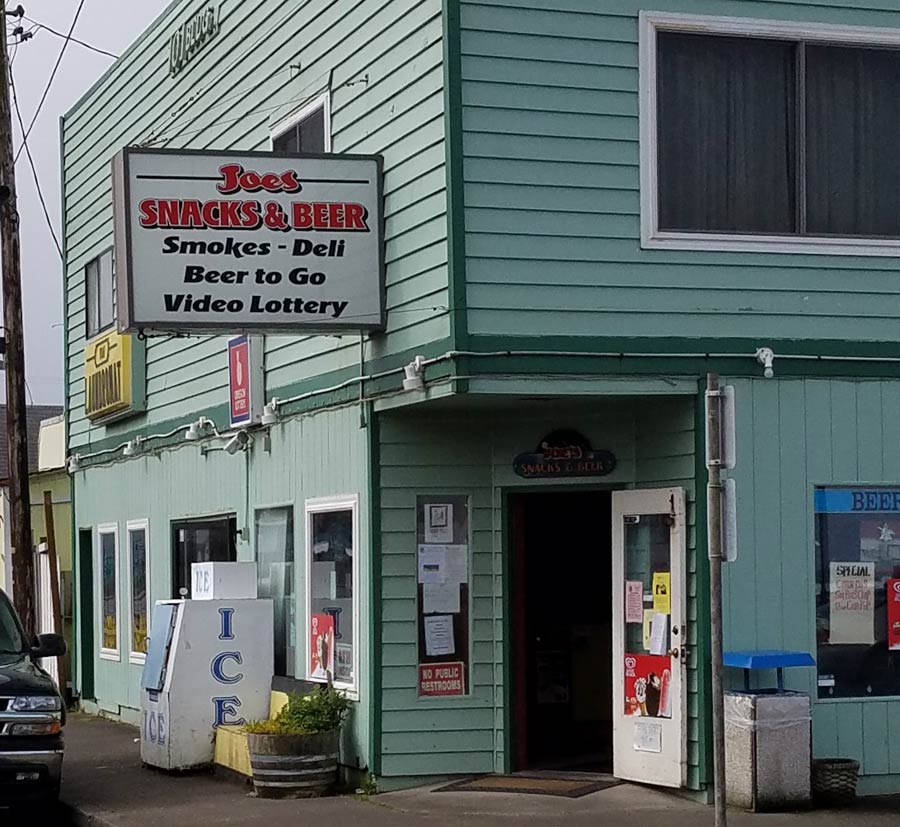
676 652
673 653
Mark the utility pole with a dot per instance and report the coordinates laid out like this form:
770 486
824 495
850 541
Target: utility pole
16 434
714 510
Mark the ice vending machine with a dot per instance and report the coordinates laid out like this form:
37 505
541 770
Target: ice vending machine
209 662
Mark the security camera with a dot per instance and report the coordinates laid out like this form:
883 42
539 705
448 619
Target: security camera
238 442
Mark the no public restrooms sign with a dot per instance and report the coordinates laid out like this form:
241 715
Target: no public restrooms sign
227 242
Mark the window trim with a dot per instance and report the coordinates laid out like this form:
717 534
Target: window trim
321 101
109 654
101 330
137 658
319 505
655 239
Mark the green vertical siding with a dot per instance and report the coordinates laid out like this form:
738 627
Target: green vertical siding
317 456
439 454
792 436
551 137
382 61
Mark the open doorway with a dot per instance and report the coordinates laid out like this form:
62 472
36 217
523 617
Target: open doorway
562 630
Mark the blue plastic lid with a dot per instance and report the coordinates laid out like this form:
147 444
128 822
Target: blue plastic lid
767 659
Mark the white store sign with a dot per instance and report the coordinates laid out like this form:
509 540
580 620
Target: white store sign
234 243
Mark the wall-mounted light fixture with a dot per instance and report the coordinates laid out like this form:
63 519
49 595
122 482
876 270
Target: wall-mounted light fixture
415 375
766 357
270 413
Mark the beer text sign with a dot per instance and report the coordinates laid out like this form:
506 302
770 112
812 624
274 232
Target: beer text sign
250 242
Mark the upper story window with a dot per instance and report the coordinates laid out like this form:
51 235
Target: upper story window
308 130
770 136
100 294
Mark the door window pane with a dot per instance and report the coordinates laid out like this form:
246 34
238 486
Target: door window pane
109 609
648 578
137 550
332 591
200 541
275 562
857 606
726 134
852 157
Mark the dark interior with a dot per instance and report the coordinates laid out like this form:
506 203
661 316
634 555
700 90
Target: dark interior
562 632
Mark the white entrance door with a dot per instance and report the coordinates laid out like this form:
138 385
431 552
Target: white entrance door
649 637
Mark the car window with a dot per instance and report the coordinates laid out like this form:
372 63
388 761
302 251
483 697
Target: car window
10 635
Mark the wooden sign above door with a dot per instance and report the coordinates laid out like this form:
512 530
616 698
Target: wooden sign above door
564 453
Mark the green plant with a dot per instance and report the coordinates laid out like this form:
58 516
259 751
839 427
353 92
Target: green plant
321 711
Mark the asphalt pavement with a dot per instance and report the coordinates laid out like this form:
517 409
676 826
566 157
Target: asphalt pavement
105 785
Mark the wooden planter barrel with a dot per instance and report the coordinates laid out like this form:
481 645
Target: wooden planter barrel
294 766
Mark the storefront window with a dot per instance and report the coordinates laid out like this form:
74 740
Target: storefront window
140 598
275 564
109 610
332 577
210 540
858 591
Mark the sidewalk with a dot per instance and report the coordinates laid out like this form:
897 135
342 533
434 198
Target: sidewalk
104 785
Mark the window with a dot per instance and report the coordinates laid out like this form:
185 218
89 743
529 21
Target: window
758 133
11 640
209 540
100 297
332 577
275 571
857 602
138 573
108 546
309 130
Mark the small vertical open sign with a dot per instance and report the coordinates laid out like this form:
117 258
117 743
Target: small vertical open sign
441 680
245 379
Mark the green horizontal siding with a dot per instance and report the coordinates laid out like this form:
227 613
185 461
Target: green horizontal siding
439 454
323 455
381 59
791 436
550 127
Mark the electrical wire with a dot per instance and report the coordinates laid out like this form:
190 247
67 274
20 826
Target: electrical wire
40 105
37 25
37 182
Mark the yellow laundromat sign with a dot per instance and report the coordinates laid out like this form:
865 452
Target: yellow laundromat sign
109 375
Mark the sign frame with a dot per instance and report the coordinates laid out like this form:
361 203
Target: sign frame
134 365
121 194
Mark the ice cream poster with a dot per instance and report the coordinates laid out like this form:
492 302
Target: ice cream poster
893 614
648 686
321 646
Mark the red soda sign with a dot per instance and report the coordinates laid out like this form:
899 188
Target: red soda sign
239 380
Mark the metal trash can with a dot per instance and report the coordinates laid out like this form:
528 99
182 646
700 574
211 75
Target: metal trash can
767 737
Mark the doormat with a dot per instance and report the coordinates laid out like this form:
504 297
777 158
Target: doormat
573 786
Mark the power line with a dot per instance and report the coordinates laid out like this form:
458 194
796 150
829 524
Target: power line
62 51
37 183
37 25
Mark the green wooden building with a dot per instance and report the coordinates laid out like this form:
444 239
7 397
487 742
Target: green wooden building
589 206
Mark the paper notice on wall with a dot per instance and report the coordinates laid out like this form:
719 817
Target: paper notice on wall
440 598
457 564
438 523
662 592
659 634
432 564
634 601
439 635
852 603
648 619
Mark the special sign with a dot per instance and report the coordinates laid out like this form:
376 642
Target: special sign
248 242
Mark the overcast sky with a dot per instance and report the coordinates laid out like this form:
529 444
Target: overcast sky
108 24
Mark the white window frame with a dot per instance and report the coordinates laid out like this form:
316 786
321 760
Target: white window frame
319 505
651 236
321 101
101 329
131 526
102 530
